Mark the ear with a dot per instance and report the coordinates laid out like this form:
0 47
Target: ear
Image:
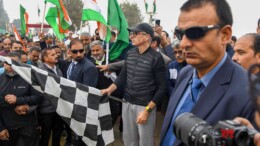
226 34
45 58
257 57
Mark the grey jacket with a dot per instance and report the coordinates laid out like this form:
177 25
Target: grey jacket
46 107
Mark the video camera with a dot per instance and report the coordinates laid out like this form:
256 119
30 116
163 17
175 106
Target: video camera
193 131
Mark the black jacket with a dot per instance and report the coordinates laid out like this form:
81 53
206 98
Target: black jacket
144 75
45 106
25 95
85 72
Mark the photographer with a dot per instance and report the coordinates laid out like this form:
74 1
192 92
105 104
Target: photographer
254 91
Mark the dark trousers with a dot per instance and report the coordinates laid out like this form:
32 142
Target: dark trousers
25 136
51 122
115 108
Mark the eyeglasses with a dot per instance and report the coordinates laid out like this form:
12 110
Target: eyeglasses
76 51
195 32
137 33
177 52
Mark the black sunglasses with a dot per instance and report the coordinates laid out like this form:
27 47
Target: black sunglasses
195 32
76 51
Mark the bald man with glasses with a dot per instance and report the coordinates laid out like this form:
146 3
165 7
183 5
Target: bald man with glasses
212 87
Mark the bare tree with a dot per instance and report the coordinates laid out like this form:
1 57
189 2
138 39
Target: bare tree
4 19
132 13
74 8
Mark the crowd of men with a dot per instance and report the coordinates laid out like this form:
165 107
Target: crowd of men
203 71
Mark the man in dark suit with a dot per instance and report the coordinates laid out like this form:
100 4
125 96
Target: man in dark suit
81 70
213 87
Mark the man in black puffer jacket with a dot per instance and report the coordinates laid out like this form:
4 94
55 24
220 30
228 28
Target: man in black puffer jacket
144 75
17 126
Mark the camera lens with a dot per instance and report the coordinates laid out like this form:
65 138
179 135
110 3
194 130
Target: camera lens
188 128
242 138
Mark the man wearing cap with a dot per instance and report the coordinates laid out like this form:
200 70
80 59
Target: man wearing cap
144 74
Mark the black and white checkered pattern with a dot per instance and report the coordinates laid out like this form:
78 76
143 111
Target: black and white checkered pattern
80 106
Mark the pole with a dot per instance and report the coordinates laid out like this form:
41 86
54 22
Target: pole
43 16
80 31
107 53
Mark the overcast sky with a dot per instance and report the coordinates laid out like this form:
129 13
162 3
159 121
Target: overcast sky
245 12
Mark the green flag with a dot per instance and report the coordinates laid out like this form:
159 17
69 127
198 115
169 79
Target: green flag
117 19
91 11
146 6
58 18
24 20
154 6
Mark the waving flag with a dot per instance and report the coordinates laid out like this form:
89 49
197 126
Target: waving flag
91 11
24 20
18 38
58 18
81 107
146 6
39 11
117 19
154 6
16 34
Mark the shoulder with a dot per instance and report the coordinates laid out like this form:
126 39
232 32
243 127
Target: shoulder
155 54
43 67
132 50
172 64
87 64
232 71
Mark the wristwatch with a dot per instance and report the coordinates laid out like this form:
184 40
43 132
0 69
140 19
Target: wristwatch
148 109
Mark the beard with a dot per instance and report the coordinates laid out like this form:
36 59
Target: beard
78 59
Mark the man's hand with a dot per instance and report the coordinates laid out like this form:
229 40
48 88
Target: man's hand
106 91
4 135
109 90
142 117
102 67
41 36
158 29
245 122
10 99
22 109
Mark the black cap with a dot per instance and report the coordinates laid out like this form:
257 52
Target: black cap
145 27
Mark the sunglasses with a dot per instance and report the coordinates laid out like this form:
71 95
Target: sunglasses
195 32
137 33
76 51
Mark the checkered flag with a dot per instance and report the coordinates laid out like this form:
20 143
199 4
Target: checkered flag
81 107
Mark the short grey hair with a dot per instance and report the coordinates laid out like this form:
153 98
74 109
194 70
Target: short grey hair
176 44
97 42
85 34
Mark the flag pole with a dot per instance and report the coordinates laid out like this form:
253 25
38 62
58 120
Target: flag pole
107 53
43 16
80 31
